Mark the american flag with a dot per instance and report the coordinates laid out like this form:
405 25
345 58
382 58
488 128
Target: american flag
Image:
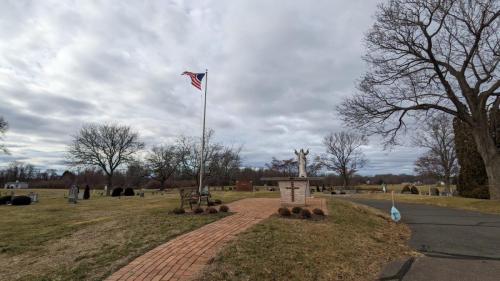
195 78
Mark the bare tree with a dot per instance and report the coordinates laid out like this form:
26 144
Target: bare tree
285 167
343 154
137 173
441 159
432 56
314 167
165 160
3 128
105 146
224 165
192 147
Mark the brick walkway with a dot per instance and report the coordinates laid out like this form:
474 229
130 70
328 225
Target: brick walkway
183 257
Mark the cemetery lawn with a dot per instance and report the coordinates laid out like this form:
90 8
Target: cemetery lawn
478 205
55 240
353 243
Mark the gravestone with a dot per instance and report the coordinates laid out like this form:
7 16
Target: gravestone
73 194
244 185
34 197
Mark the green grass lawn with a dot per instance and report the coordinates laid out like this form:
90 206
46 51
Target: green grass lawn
55 240
480 205
352 243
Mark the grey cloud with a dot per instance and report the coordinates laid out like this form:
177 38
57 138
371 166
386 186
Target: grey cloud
276 73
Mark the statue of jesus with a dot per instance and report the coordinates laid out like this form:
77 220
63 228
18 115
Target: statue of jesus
302 162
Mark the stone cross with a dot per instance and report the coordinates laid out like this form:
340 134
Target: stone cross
302 162
292 188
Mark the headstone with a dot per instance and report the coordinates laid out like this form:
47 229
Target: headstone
244 185
34 197
73 194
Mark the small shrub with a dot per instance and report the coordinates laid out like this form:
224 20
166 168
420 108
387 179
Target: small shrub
86 193
5 199
406 189
178 211
284 212
342 192
224 208
333 192
210 203
434 191
116 192
414 190
21 200
318 212
212 210
296 209
305 214
129 191
198 210
217 201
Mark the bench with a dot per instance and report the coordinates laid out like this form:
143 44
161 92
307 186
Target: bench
191 195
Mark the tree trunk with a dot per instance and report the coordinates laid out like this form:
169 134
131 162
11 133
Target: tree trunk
491 158
346 180
493 172
447 182
162 184
110 185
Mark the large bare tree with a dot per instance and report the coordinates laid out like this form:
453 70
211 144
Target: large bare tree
440 159
165 160
285 167
343 154
105 146
428 56
3 128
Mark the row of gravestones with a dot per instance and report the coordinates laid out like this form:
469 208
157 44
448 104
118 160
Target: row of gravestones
74 194
12 199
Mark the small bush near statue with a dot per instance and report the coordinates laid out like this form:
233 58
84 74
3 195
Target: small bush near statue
301 213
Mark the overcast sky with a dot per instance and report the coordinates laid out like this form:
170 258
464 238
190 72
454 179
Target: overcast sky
277 69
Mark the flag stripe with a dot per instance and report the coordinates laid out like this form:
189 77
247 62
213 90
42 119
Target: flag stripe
195 78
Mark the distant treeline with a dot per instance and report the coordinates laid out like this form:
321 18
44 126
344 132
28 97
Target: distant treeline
138 177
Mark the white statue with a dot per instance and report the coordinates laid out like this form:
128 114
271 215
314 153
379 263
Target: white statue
302 162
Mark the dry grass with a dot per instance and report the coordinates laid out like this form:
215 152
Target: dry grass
480 205
352 243
398 187
55 240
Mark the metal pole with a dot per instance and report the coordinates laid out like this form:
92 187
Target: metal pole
203 136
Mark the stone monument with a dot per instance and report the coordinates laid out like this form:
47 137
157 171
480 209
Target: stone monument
295 191
73 194
302 162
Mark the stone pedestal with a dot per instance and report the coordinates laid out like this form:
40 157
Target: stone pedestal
294 192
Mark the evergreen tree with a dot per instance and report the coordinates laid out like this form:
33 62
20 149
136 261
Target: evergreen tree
472 178
86 193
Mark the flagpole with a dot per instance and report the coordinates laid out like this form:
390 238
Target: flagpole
203 137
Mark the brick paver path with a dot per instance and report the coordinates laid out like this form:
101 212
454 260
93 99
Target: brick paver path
181 258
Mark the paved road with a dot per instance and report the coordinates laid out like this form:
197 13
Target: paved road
458 244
